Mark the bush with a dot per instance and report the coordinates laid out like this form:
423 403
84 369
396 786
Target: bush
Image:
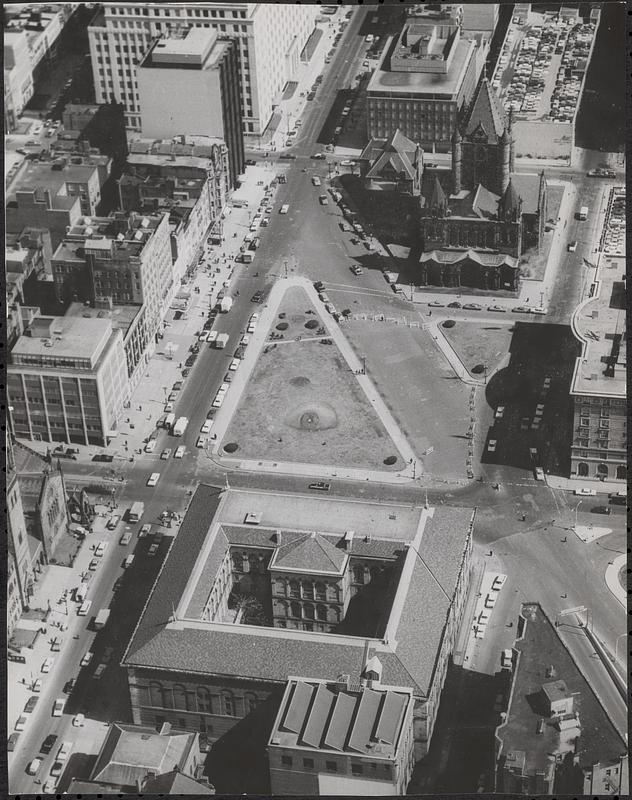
282 326
390 460
449 323
231 447
478 369
311 324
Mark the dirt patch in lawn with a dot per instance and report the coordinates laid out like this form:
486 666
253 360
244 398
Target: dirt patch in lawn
304 404
479 344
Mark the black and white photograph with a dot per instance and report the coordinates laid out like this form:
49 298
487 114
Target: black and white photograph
316 410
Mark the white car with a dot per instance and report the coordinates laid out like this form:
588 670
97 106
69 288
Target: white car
179 451
201 441
153 479
78 720
498 582
284 209
150 446
58 707
100 549
84 608
64 751
34 766
165 455
500 412
245 340
48 664
506 658
490 600
234 364
86 659
206 428
491 447
316 180
583 492
50 786
539 474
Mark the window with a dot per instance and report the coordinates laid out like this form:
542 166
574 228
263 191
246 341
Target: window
356 769
250 702
308 763
286 761
321 592
604 423
228 703
331 766
155 694
295 589
203 699
179 697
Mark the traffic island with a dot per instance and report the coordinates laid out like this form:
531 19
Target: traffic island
480 346
304 404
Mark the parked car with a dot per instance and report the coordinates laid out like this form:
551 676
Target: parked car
34 766
58 707
320 486
498 582
491 446
48 743
86 659
47 664
165 453
539 474
12 742
473 307
585 492
500 412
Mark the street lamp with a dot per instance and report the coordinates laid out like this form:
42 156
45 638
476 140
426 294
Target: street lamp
576 510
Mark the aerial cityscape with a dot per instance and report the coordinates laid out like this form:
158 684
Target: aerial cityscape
316 428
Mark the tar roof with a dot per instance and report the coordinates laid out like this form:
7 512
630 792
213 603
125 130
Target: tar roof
385 81
335 718
540 649
310 553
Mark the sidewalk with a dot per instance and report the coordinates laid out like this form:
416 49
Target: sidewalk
571 484
258 340
612 579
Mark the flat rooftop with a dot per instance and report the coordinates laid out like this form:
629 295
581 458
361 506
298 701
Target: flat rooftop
72 337
121 317
42 175
187 151
539 649
441 86
199 49
419 610
600 323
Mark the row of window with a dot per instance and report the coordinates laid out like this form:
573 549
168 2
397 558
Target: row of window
307 589
199 699
308 611
333 766
160 11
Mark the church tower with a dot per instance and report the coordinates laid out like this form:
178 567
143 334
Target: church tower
456 160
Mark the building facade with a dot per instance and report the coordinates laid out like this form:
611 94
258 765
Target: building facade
67 381
20 573
268 40
393 164
426 77
198 71
188 179
598 386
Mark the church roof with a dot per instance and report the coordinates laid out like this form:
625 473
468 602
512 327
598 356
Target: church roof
310 553
486 113
510 202
398 151
484 202
438 198
459 256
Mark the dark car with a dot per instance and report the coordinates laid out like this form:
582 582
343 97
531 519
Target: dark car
320 486
257 297
250 162
601 510
69 686
48 743
456 304
30 704
195 348
178 315
191 360
186 372
319 156
287 155
319 286
210 413
12 741
103 457
311 95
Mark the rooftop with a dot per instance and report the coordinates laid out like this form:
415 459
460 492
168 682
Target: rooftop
441 85
71 337
543 658
190 151
121 316
131 751
198 646
337 718
52 175
197 48
600 324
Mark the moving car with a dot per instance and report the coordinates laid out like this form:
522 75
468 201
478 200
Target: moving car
165 454
86 659
500 412
316 180
320 486
539 474
284 208
99 671
48 664
491 447
126 538
323 199
34 766
179 452
498 582
153 479
572 246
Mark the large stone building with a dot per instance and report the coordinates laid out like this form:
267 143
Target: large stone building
482 205
393 164
198 71
425 78
205 653
187 178
67 380
269 39
599 382
342 738
20 571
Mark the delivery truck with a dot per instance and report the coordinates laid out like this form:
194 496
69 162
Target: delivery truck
225 304
101 618
221 341
136 511
169 421
180 426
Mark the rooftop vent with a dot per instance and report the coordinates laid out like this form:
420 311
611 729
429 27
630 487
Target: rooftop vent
253 518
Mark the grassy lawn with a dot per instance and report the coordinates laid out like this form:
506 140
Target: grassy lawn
479 343
303 404
623 577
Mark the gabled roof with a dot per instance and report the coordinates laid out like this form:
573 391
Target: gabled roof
311 553
176 783
486 113
397 151
456 256
438 198
510 202
485 203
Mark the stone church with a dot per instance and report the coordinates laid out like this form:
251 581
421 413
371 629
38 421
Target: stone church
478 221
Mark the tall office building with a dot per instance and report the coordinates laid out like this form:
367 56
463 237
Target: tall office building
199 74
268 39
20 573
